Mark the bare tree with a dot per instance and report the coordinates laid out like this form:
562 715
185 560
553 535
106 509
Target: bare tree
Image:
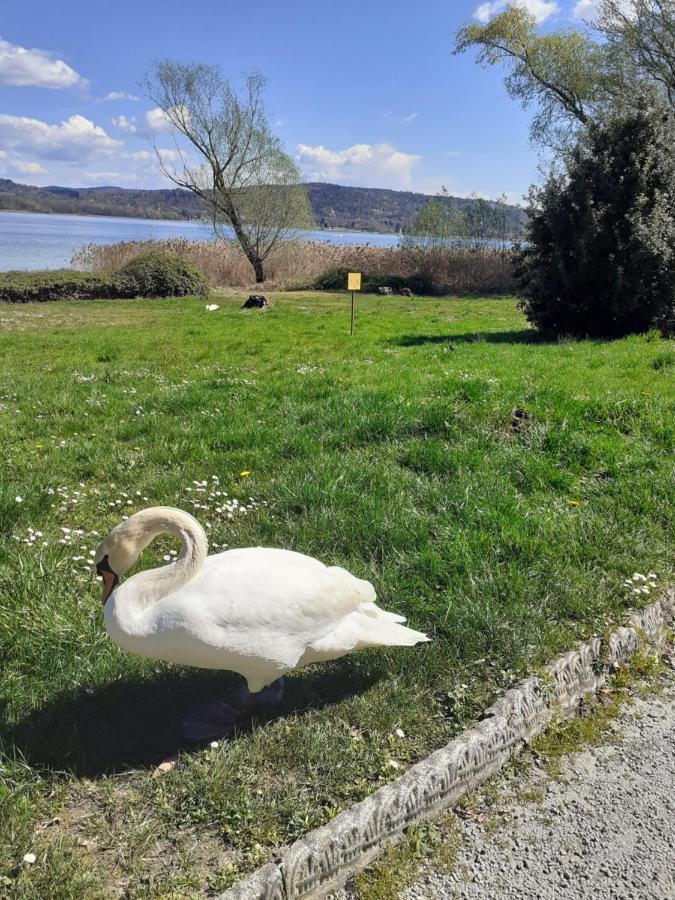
242 174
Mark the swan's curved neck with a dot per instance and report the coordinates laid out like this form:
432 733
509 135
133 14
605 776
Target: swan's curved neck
128 603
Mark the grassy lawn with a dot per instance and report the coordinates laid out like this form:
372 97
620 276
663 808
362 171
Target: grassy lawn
391 453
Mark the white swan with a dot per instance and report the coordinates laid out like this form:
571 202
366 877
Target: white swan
256 611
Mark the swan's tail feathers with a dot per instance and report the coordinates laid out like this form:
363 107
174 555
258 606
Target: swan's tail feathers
360 630
384 633
370 609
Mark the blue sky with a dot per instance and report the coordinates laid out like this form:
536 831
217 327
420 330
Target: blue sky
362 92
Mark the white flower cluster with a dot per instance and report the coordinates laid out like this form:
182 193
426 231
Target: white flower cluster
208 497
30 538
641 584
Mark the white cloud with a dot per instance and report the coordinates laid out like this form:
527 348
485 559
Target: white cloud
156 120
20 67
104 176
485 11
125 124
540 9
166 155
399 120
117 95
588 9
585 9
376 165
76 139
169 156
141 155
28 168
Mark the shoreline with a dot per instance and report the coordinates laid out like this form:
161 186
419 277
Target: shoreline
197 222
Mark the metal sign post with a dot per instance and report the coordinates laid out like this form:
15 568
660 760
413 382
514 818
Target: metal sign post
353 284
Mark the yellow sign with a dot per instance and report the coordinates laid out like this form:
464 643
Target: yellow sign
353 281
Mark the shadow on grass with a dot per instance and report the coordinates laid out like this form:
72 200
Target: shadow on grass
522 336
132 724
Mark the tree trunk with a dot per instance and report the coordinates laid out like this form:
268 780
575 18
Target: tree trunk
244 243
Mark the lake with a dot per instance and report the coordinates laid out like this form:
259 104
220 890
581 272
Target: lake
44 241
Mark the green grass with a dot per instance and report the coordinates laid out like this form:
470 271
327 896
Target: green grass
594 722
435 843
391 453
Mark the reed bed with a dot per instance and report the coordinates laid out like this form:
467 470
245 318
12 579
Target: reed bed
457 269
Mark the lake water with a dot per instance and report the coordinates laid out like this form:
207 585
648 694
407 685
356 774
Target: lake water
43 241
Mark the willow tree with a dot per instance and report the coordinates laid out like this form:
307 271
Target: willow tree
574 78
228 156
560 73
641 34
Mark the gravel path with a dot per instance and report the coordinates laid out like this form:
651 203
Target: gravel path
605 831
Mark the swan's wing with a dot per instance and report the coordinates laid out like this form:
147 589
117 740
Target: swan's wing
269 603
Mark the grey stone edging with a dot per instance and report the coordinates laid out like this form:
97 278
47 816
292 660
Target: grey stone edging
323 859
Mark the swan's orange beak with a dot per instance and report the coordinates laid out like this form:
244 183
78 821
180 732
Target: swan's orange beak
109 577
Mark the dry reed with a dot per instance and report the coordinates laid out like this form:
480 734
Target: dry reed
456 269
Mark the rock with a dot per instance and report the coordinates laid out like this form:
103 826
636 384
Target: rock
256 301
264 884
406 292
385 291
518 419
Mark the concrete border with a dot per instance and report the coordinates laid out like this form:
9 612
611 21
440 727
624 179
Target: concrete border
323 859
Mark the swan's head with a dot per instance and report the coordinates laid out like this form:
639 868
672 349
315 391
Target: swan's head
116 554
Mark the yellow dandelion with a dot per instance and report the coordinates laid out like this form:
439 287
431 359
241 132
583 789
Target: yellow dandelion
245 473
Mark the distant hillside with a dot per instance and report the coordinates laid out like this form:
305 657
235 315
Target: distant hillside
333 206
100 201
375 209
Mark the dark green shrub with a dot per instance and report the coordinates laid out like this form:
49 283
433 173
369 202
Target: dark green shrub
157 274
601 254
335 279
59 284
147 275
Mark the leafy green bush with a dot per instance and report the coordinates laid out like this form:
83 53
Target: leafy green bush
157 274
335 279
148 275
601 254
60 284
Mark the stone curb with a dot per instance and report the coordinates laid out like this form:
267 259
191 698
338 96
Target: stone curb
323 859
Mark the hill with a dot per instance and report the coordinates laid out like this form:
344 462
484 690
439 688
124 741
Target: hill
376 209
333 206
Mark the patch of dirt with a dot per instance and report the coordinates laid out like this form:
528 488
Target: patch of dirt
110 825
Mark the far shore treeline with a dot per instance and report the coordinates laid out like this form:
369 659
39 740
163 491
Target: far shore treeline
332 205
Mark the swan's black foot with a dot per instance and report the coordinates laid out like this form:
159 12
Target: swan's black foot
218 718
210 720
268 697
